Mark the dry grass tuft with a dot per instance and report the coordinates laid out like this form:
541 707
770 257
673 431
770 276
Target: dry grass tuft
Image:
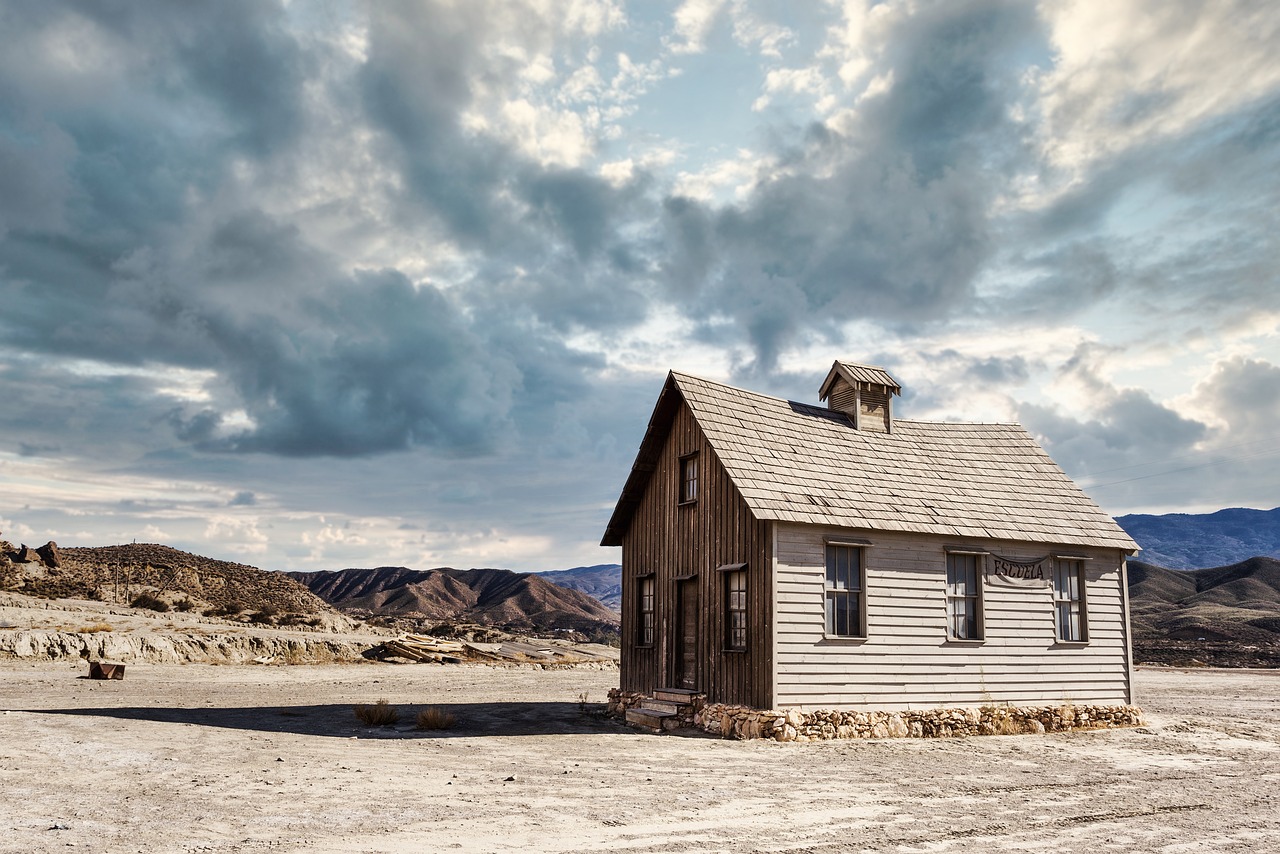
434 717
380 713
94 628
1008 726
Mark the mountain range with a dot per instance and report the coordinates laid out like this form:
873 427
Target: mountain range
1196 541
494 597
602 582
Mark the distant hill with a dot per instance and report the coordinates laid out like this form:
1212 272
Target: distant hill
494 597
119 573
602 582
1221 615
1191 541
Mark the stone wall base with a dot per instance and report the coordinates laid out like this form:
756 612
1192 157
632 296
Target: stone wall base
743 722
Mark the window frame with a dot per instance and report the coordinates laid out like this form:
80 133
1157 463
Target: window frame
736 637
978 559
646 607
1079 602
831 592
687 487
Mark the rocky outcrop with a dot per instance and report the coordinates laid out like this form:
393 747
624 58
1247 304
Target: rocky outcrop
49 554
177 648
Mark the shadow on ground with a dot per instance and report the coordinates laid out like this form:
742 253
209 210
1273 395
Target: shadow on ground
339 721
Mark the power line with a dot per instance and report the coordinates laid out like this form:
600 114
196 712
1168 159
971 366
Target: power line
1209 464
1187 456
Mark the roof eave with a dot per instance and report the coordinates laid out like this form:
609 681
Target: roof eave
645 463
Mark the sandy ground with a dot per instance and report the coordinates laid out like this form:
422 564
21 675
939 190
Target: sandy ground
245 758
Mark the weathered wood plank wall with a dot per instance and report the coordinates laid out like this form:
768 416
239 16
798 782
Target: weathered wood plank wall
907 660
672 542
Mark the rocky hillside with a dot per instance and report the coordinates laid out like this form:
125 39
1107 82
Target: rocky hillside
1191 541
162 576
1227 615
494 597
602 582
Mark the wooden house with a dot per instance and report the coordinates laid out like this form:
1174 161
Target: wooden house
783 555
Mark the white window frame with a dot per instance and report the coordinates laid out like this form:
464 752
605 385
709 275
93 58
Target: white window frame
960 594
1070 604
835 588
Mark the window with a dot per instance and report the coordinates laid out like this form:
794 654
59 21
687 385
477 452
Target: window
964 597
644 626
689 479
844 592
735 609
1068 600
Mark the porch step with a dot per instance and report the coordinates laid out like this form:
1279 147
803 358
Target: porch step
663 706
674 695
648 717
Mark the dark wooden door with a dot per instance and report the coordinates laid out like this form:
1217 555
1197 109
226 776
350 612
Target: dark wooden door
687 636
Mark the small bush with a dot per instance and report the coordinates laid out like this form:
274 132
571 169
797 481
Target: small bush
230 609
94 628
266 616
151 602
184 605
434 717
1008 726
380 713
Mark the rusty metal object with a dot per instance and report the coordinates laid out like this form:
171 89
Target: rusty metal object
105 670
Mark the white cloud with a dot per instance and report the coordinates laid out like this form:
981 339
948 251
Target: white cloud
1127 73
692 23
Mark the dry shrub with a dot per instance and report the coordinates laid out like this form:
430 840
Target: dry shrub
151 602
380 713
1009 726
434 717
94 628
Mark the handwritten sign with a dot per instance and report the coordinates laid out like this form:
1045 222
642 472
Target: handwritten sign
1019 573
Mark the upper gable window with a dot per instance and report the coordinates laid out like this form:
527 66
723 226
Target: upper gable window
689 479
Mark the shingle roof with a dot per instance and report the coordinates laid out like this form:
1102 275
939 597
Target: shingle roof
799 463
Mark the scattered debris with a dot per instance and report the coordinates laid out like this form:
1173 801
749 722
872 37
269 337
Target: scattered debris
105 670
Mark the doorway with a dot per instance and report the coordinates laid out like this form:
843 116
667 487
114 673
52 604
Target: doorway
687 635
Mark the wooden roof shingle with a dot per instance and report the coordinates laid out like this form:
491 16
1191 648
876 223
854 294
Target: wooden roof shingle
794 461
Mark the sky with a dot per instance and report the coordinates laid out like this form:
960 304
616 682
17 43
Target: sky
313 285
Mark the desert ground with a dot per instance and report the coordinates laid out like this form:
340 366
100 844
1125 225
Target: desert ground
248 758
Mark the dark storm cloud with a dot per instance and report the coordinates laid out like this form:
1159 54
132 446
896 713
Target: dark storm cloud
237 58
1206 249
111 260
899 226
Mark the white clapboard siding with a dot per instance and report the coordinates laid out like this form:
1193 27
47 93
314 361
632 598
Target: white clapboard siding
907 661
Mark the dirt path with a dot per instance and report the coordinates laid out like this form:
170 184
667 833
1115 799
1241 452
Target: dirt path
204 758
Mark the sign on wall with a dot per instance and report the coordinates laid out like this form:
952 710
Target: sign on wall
1019 573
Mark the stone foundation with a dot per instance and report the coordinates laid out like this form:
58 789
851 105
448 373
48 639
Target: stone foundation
742 722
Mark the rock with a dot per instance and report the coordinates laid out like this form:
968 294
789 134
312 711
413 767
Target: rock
897 727
26 554
49 554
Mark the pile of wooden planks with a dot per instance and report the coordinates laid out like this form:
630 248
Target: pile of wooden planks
426 648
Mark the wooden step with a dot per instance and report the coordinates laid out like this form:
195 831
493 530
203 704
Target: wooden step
664 706
674 695
648 717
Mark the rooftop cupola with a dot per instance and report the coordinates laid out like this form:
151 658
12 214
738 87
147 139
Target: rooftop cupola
864 393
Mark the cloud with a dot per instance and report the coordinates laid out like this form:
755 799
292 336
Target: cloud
889 221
